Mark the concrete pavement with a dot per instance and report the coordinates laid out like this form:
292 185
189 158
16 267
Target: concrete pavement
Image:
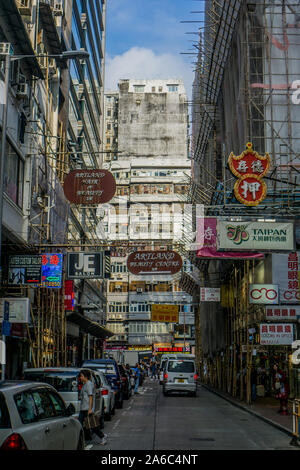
150 421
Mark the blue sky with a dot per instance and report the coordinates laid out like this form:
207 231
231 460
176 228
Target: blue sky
144 39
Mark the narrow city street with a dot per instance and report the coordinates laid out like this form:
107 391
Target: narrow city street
150 421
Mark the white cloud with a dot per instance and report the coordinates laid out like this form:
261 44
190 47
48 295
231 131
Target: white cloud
142 63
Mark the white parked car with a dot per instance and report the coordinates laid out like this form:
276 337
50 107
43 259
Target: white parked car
35 417
108 394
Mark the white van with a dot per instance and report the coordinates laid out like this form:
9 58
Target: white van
180 375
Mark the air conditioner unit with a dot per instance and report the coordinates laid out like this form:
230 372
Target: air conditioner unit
58 8
43 62
5 48
52 65
139 290
22 91
24 7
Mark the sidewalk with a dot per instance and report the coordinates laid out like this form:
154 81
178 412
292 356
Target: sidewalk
264 408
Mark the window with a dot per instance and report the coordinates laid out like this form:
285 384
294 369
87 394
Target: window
4 415
26 407
153 89
172 88
181 366
109 127
138 88
160 89
108 140
13 175
109 112
59 406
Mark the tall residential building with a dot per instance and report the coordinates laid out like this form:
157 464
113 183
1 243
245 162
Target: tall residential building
152 169
55 109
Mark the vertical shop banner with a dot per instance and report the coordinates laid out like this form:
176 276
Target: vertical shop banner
52 265
285 272
207 242
69 295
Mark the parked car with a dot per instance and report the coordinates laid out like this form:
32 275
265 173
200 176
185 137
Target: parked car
125 377
35 417
66 381
180 375
108 395
110 368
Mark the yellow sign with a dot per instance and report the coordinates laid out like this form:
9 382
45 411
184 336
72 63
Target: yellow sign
165 313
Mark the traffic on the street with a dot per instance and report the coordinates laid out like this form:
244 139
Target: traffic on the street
149 229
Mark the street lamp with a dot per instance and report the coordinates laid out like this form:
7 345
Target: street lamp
65 55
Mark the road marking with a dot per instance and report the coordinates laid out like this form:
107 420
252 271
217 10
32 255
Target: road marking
117 424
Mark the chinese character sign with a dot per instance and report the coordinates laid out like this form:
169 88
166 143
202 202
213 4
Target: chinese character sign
52 264
276 333
285 271
283 313
249 168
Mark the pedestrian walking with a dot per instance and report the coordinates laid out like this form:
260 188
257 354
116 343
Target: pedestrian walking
87 407
280 385
153 370
137 378
253 379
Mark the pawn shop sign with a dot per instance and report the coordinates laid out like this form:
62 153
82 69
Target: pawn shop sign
250 168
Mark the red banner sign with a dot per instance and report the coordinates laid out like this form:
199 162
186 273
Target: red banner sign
250 168
154 262
89 186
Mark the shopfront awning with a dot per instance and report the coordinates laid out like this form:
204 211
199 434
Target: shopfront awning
89 326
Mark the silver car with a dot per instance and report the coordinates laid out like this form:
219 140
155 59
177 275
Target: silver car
35 417
108 394
65 381
180 375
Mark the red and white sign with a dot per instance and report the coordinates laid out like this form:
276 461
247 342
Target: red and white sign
276 333
210 294
263 294
282 313
285 271
69 295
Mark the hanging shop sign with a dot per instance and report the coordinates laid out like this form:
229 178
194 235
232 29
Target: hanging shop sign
250 168
69 295
154 262
276 334
283 313
89 186
19 309
210 294
85 265
248 235
207 242
285 273
52 266
263 294
165 313
24 269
